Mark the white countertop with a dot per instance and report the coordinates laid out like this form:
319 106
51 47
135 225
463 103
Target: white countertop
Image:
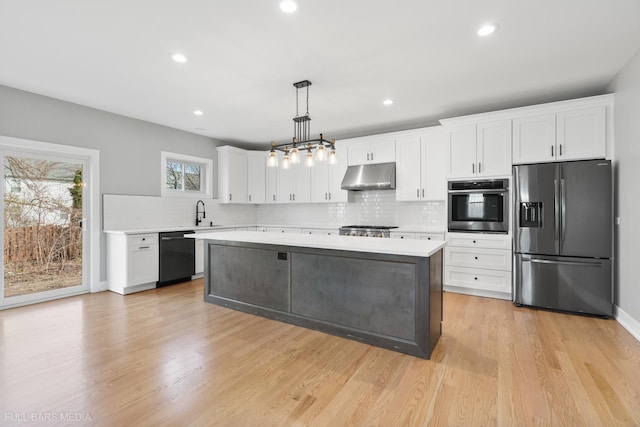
419 248
164 229
200 229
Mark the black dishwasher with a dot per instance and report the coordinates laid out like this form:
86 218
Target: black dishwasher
177 257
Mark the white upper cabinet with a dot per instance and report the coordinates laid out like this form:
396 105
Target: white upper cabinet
326 179
420 170
462 151
494 148
480 150
581 134
294 184
370 150
256 174
571 134
320 182
534 139
271 185
232 175
336 174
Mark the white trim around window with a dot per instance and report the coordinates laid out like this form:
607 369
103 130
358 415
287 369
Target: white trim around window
206 171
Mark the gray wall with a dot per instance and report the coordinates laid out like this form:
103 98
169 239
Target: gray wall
129 148
626 85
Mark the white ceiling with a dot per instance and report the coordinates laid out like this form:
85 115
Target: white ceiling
244 56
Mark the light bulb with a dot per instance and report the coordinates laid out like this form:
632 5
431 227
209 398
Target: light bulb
332 156
321 153
308 159
272 160
295 158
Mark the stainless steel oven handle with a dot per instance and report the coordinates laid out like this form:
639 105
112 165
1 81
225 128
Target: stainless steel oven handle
493 190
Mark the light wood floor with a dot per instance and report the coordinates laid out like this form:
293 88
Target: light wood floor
164 357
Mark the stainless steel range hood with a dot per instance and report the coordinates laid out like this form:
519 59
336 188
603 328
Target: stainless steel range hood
381 176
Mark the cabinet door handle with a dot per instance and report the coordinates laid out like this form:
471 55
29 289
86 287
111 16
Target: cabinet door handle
249 197
329 196
230 197
274 197
552 151
294 197
143 247
326 196
371 156
479 167
367 156
560 153
417 193
423 193
290 199
473 168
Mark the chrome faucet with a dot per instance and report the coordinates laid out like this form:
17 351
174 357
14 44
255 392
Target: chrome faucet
204 215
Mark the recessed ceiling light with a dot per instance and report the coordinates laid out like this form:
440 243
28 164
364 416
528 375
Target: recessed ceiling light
387 102
178 57
198 112
487 29
288 6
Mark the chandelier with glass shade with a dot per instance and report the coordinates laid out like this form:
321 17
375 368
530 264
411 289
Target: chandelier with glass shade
302 145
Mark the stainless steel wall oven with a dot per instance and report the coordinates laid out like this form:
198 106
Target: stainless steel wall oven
479 206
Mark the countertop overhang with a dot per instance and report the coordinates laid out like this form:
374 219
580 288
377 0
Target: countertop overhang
405 247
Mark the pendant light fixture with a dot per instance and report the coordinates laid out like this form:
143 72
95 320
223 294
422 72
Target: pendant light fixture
324 150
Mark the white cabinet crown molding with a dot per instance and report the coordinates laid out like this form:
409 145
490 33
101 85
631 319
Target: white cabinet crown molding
514 113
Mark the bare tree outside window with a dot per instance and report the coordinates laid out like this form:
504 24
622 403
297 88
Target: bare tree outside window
183 176
42 225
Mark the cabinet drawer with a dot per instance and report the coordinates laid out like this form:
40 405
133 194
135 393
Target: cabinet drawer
498 259
142 239
403 235
326 232
282 230
479 240
488 280
430 236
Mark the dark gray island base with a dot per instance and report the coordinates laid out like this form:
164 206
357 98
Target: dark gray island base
390 301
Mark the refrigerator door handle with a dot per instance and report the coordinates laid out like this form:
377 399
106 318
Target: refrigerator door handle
546 261
563 203
556 209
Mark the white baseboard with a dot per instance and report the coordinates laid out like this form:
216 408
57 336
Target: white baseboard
628 322
477 292
102 286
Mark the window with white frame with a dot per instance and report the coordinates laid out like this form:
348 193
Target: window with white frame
184 175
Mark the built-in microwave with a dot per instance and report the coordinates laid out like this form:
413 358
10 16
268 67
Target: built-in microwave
479 206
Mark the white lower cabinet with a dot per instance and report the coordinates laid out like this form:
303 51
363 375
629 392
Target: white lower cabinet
481 280
132 262
326 232
280 230
478 264
419 236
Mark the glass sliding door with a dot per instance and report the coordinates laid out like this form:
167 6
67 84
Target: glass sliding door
43 207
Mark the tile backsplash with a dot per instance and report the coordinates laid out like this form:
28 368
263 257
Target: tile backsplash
125 212
365 208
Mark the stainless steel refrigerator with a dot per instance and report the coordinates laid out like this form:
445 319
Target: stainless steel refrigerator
563 228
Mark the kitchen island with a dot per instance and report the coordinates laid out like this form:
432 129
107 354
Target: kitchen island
383 292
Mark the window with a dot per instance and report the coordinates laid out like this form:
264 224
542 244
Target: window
185 175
